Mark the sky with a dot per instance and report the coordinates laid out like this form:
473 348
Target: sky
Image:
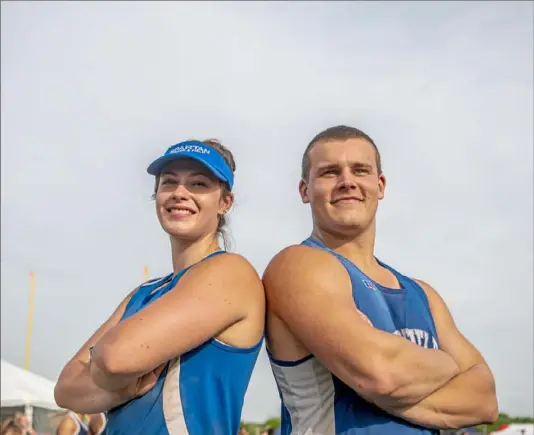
92 92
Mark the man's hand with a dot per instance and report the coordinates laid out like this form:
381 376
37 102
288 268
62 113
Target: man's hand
466 400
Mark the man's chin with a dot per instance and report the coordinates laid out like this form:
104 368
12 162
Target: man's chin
350 227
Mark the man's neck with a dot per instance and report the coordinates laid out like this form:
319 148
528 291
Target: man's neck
185 253
358 247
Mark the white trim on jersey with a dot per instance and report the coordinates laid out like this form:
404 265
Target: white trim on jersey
104 424
79 423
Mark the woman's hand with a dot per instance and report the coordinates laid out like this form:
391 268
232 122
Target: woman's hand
145 383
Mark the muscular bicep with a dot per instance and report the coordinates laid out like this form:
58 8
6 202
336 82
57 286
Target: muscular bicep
451 340
311 292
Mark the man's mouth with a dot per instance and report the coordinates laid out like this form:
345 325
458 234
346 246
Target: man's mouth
347 199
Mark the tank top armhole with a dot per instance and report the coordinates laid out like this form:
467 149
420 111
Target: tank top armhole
218 343
282 363
424 298
229 348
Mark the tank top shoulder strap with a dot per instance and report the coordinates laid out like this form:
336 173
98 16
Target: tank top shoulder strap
411 285
404 281
143 291
176 277
103 422
79 423
314 243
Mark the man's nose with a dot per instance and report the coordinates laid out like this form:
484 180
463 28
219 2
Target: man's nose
347 180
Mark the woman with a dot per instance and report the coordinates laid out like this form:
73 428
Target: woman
177 355
10 427
73 424
97 424
21 420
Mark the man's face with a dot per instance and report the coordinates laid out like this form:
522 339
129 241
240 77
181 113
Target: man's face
343 186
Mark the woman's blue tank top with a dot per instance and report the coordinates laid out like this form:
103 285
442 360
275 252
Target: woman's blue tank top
200 392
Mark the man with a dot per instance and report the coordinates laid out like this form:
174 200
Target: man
355 346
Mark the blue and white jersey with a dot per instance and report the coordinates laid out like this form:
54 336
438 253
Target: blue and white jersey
198 393
82 428
315 402
102 430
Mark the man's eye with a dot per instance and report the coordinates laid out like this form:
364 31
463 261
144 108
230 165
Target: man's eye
329 172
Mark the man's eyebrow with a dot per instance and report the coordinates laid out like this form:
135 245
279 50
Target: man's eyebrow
362 165
327 166
336 166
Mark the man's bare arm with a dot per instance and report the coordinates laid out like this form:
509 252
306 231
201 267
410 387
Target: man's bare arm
466 400
311 292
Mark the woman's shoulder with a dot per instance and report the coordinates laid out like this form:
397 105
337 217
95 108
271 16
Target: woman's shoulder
229 263
232 269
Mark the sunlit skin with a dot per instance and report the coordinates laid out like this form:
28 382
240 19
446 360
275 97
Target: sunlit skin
305 285
343 187
189 199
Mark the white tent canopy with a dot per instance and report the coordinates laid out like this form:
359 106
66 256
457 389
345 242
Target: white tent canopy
20 387
517 429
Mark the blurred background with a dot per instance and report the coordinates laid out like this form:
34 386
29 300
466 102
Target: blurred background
91 92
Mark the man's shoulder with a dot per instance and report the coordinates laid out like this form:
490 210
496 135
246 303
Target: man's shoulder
302 258
435 300
301 270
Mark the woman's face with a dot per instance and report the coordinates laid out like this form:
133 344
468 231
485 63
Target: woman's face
190 199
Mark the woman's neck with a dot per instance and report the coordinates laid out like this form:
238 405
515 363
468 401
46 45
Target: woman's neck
188 252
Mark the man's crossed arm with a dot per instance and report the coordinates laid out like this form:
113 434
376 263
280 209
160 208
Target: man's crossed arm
467 399
452 387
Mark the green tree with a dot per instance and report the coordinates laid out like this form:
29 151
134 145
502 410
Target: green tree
272 423
505 419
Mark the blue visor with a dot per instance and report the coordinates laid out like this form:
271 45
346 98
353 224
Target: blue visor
200 152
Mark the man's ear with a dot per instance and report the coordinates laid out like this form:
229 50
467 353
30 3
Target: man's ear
303 189
381 186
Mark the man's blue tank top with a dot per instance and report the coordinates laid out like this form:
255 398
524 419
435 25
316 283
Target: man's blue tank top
315 401
198 393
